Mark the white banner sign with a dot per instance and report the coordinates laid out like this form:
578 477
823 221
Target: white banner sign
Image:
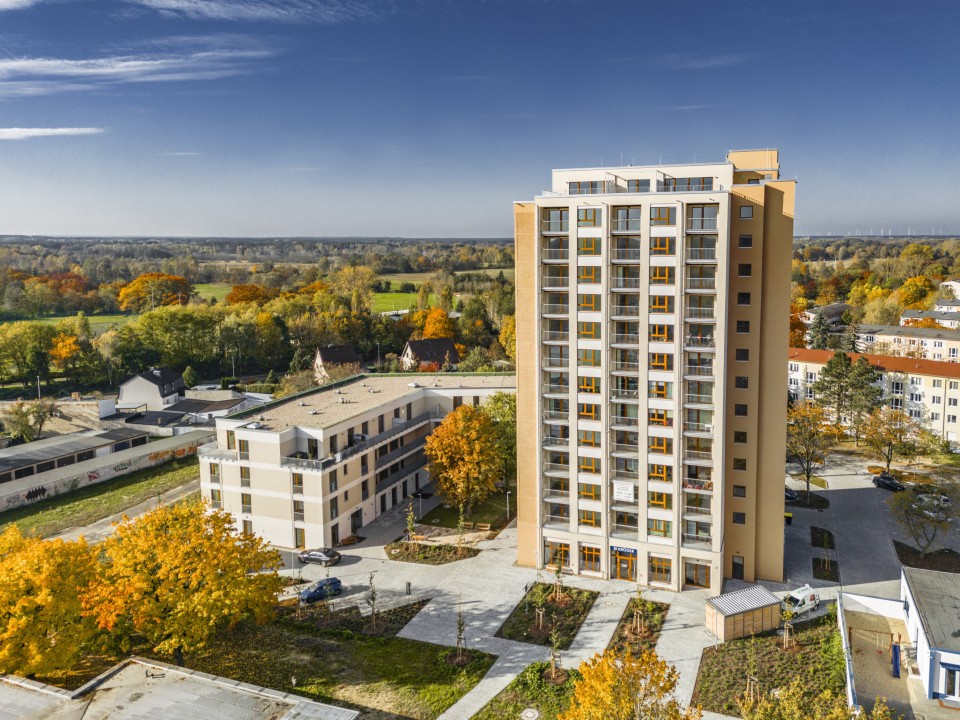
623 491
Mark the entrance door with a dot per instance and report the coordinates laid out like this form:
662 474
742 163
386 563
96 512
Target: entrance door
383 503
737 567
624 566
356 521
335 535
696 575
393 496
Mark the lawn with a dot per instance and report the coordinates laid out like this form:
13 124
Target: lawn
563 616
493 511
55 515
816 659
531 689
426 554
387 302
335 658
508 273
944 559
416 278
99 324
213 291
643 637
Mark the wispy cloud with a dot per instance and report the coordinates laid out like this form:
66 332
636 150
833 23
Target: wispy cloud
27 133
326 12
28 76
16 4
684 61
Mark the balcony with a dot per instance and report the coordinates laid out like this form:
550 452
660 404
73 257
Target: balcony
556 389
699 370
556 469
554 309
698 510
298 515
624 475
624 531
626 254
548 227
625 421
698 456
700 313
700 341
405 449
687 185
624 394
555 441
556 492
556 519
626 339
556 416
627 311
626 283
698 485
700 254
554 361
213 451
555 282
625 366
628 448
700 540
700 284
554 254
625 225
701 224
556 336
695 427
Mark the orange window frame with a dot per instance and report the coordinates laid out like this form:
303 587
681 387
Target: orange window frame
588 303
660 445
662 246
588 385
661 275
590 465
661 361
588 246
663 216
590 518
558 551
588 491
660 569
588 217
588 411
588 330
658 389
588 358
659 473
659 417
660 333
588 438
590 557
661 303
588 274
659 528
660 500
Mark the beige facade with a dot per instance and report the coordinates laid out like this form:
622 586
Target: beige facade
910 342
312 470
650 405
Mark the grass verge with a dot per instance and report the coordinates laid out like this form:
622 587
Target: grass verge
944 559
57 514
822 571
425 554
815 658
821 538
338 660
639 634
532 688
493 511
563 617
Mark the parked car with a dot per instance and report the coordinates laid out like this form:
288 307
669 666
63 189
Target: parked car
888 482
323 556
790 495
801 600
934 499
321 590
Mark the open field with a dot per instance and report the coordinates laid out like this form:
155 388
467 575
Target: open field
213 291
98 323
508 273
57 514
386 302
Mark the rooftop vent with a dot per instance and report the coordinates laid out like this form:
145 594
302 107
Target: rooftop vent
312 412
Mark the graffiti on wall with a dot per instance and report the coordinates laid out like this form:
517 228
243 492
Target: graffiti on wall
36 493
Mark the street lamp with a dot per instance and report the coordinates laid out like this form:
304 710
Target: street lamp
38 387
508 505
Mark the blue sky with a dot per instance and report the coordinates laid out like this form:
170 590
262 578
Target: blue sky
427 118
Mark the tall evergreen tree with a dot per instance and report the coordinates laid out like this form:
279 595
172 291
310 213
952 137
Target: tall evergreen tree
865 395
848 341
832 388
818 337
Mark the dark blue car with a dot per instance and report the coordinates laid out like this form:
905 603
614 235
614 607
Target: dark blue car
321 590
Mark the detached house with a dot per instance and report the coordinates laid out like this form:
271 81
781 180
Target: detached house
437 351
335 356
157 389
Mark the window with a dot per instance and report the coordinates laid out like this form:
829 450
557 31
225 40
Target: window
589 559
588 303
660 570
588 385
588 491
661 361
214 470
746 212
589 518
746 241
794 367
298 510
247 527
953 385
739 436
660 473
588 246
952 353
742 355
811 377
556 554
245 477
915 414
916 397
658 389
588 438
334 508
739 463
952 402
740 491
663 216
740 409
333 480
661 303
660 333
935 416
743 298
660 445
590 465
299 538
951 418
588 330
588 358
364 490
588 274
216 501
793 382
663 246
663 418
586 187
938 383
661 500
896 388
661 275
896 403
743 326
660 528
246 505
231 440
588 217
745 270
588 411
741 382
936 400
638 186
298 483
739 518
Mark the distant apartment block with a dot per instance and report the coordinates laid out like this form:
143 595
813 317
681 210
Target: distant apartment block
927 390
905 341
832 312
945 318
313 469
652 307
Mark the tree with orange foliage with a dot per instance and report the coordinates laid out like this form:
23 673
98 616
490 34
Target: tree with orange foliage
438 325
66 352
626 687
798 329
180 575
250 293
463 455
929 323
150 290
42 628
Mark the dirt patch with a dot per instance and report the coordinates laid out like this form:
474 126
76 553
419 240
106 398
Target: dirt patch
821 538
944 560
428 554
823 571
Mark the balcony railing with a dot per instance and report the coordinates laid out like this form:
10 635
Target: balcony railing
699 370
556 281
697 455
557 469
246 509
698 484
701 254
556 415
556 254
624 475
627 254
556 335
554 226
626 283
213 451
624 530
556 389
626 224
697 427
556 493
555 441
701 283
625 447
618 393
626 366
627 339
701 341
700 313
699 540
627 421
701 224
705 186
626 311
216 504
697 510
556 519
243 455
298 516
298 489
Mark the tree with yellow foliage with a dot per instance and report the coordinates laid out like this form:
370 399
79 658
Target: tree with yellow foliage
914 291
151 290
792 702
626 687
179 575
508 336
42 629
438 325
463 455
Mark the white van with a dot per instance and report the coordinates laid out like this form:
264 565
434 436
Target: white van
802 600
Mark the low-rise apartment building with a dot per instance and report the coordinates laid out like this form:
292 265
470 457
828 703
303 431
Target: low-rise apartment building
945 318
914 342
313 469
928 390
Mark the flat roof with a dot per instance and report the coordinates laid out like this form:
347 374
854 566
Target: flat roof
741 601
328 406
937 595
908 331
139 689
51 448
